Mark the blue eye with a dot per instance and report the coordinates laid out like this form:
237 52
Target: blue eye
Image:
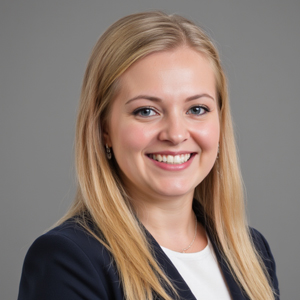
144 112
198 110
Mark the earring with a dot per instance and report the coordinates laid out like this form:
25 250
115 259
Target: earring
108 152
217 163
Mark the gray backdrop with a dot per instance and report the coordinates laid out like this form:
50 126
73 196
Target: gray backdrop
44 49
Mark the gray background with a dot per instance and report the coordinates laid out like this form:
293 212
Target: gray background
44 49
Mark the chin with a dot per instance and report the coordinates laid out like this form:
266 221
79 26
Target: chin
174 190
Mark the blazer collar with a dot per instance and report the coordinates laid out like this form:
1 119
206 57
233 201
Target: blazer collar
172 273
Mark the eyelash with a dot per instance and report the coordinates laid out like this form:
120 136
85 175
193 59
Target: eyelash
205 108
139 110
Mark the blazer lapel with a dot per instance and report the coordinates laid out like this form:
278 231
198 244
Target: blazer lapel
182 288
165 263
235 291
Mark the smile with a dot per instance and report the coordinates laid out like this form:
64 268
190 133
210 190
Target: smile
171 159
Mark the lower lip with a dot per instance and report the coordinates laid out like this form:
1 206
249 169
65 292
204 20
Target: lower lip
173 167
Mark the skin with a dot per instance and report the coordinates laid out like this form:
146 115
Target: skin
167 103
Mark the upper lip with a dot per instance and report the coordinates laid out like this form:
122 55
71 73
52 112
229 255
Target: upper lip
173 153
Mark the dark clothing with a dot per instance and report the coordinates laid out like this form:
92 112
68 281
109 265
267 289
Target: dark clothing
69 264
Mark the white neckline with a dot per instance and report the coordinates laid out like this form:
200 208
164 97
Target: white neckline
190 256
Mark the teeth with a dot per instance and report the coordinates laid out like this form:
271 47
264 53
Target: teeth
170 159
177 159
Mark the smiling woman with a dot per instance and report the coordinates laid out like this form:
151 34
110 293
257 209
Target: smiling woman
159 210
172 111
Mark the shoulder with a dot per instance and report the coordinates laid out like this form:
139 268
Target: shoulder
261 246
264 251
72 234
71 237
259 241
68 263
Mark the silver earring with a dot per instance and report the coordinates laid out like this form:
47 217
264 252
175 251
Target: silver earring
108 152
218 152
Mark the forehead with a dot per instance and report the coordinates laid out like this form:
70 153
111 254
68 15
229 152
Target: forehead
182 70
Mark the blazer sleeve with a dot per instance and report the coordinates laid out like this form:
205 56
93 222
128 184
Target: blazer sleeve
55 267
264 251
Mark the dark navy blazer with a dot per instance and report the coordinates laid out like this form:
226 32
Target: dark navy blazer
69 264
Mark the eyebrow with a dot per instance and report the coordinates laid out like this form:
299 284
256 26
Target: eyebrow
155 99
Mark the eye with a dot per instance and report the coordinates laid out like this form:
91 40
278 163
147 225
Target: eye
145 112
198 110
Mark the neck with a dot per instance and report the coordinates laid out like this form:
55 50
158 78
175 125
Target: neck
171 222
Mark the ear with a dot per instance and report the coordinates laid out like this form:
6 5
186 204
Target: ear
106 136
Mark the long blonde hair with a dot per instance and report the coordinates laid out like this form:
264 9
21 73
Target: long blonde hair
100 193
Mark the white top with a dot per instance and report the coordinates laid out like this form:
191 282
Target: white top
201 272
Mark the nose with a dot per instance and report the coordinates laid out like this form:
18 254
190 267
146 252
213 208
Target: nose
174 130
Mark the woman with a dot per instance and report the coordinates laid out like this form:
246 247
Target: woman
159 210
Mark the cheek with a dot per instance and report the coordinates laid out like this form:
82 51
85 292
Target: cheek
208 136
130 138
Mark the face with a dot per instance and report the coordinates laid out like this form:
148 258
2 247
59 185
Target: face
164 124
